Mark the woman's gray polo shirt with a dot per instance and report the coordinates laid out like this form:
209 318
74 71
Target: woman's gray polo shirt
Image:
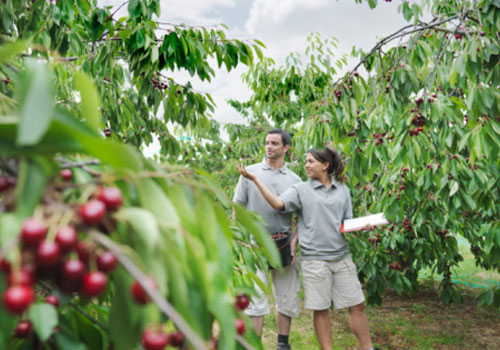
277 181
321 213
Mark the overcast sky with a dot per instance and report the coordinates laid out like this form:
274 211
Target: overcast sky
282 25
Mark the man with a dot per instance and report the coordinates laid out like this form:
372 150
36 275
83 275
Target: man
274 173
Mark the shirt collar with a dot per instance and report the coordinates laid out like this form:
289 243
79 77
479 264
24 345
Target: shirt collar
266 166
316 184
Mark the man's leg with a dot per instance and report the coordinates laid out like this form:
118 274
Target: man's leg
359 325
323 328
258 324
286 286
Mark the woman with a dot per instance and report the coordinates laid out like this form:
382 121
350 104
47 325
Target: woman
328 272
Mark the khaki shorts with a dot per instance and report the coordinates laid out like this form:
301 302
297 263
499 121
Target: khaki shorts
327 281
286 288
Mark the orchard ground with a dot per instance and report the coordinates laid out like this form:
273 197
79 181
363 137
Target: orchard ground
420 322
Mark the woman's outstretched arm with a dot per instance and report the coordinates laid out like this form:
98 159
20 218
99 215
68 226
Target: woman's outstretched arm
273 200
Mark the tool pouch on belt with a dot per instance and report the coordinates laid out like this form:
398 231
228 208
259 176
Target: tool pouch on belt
283 240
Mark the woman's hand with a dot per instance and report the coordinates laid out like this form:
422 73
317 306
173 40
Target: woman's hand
368 227
243 171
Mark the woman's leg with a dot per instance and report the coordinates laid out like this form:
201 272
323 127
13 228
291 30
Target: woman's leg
359 325
323 328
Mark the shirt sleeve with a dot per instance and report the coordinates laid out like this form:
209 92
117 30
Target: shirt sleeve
241 191
291 199
348 207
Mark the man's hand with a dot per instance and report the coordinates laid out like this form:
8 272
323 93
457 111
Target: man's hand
243 171
293 247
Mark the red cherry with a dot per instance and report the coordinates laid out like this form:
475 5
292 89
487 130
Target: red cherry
176 339
33 231
106 261
242 302
17 299
154 340
67 238
66 174
139 294
240 326
5 265
48 253
93 212
4 183
73 269
94 283
23 329
52 299
21 277
111 197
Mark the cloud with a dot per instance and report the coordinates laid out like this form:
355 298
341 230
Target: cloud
284 25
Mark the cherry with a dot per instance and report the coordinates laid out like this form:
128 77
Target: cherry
52 299
33 231
67 238
17 299
73 269
111 197
93 212
48 253
154 340
94 283
240 326
4 183
5 265
139 294
66 174
21 277
106 261
242 302
176 339
23 329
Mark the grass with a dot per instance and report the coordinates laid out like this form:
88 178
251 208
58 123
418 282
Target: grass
420 322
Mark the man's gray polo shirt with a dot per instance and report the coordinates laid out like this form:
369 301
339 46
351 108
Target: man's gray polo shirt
277 181
321 213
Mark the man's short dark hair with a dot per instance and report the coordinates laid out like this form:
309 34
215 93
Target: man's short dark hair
285 137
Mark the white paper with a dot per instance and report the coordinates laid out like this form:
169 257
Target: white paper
358 223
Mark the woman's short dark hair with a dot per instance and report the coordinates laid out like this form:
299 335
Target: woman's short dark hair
331 156
285 137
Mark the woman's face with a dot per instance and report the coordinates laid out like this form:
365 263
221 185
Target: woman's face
314 168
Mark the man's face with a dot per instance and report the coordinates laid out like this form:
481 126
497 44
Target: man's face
274 147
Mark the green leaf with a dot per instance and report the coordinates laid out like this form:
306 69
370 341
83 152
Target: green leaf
154 199
9 50
44 318
65 341
125 324
31 184
36 100
144 223
453 188
90 105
